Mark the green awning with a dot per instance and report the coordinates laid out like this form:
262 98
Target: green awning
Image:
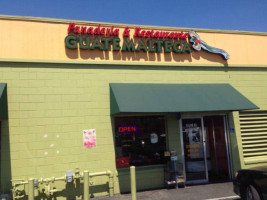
148 98
3 101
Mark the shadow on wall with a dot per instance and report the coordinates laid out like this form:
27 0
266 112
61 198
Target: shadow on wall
75 191
71 192
5 158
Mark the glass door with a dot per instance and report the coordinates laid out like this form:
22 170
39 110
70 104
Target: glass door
194 150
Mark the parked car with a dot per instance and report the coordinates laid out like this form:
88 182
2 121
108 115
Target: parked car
251 184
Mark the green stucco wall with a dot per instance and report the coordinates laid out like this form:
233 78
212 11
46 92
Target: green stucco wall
50 104
173 138
147 177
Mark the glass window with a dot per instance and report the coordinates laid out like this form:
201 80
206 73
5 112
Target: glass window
139 140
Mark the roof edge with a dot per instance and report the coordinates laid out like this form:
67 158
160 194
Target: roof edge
136 63
57 20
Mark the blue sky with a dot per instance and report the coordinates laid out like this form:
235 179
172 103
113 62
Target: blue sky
246 15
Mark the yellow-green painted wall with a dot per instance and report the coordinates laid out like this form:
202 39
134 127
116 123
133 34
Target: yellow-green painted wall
50 104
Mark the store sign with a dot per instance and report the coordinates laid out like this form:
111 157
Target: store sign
199 44
107 38
127 129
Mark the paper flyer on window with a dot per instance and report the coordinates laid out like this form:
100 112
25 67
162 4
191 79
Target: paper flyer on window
89 138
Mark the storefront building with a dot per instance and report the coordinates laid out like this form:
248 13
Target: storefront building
79 95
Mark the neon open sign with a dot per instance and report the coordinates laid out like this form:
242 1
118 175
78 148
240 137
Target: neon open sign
127 129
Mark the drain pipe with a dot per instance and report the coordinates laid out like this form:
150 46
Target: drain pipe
33 184
85 185
110 183
111 180
31 189
18 194
133 182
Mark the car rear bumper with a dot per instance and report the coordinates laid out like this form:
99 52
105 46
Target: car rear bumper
236 187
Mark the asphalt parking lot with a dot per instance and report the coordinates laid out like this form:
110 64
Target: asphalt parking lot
218 191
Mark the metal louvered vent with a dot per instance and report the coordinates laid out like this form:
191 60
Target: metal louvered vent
253 125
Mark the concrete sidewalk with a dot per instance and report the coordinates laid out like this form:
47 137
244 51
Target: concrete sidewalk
219 191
